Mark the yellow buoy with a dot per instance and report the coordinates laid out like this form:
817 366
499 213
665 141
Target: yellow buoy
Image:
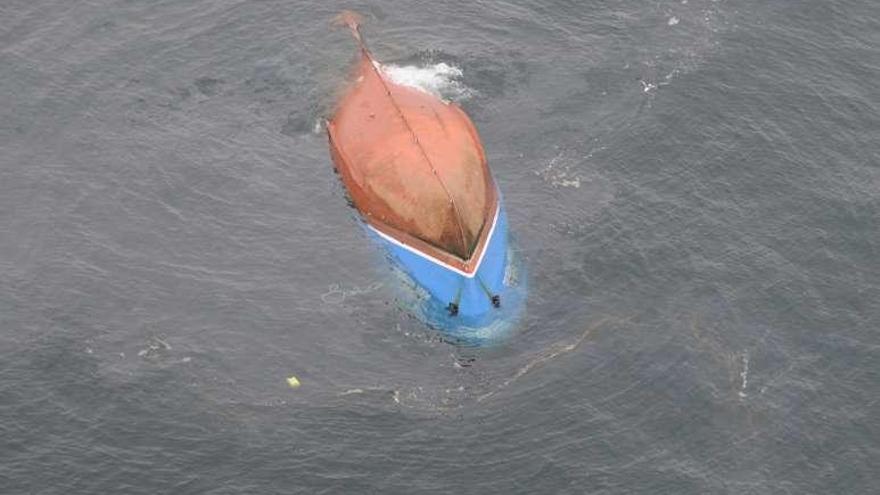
293 381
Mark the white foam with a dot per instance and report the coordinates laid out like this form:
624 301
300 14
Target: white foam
441 79
744 375
558 172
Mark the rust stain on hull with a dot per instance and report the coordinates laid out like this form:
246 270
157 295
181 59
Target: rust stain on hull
412 163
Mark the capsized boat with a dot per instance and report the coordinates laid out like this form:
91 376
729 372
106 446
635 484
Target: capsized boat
417 174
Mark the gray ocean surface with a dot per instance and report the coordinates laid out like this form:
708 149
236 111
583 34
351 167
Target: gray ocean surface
693 186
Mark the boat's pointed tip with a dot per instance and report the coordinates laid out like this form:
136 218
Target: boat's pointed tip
352 20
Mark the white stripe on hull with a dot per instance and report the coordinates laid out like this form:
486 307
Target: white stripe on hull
439 262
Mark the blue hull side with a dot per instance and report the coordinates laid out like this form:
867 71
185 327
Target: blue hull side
477 319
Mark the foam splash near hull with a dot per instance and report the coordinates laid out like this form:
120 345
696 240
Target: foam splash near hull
441 79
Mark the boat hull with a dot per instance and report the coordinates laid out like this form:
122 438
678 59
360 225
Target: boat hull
415 169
